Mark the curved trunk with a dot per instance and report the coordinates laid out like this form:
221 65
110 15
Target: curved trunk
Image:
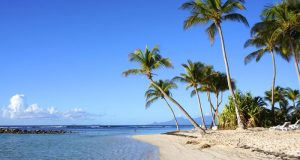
273 86
216 115
295 60
202 131
201 111
211 108
239 121
177 126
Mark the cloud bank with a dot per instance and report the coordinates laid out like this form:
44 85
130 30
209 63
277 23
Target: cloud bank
18 109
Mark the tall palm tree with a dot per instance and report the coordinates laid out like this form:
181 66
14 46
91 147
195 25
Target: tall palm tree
153 94
262 40
150 60
285 22
192 77
215 12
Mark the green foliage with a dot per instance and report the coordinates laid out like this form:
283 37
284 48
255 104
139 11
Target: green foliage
153 93
251 111
283 20
148 61
193 74
213 12
216 82
255 112
284 101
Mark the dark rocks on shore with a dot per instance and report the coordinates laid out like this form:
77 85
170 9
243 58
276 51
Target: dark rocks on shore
24 131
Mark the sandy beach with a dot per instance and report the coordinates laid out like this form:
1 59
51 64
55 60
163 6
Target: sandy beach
227 144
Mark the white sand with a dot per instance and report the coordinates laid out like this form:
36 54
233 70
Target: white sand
226 145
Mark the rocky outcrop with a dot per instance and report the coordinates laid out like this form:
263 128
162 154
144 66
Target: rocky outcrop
24 131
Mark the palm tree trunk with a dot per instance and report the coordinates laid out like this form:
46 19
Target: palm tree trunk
297 67
217 109
193 122
239 121
295 60
201 111
273 85
177 126
211 108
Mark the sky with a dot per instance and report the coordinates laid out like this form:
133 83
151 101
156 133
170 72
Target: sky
61 62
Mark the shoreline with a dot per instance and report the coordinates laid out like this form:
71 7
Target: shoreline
226 144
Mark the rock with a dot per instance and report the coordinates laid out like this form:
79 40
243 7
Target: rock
20 131
192 142
205 146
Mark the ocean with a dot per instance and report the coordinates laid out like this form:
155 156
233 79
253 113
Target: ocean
89 142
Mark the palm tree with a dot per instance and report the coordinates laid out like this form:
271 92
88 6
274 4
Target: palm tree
278 97
261 39
205 82
252 109
192 77
285 22
215 12
153 94
293 95
217 84
148 61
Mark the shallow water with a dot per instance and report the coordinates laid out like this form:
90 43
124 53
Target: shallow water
85 142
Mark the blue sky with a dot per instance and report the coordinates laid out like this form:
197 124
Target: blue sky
70 54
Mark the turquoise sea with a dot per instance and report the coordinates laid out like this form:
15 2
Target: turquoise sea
91 142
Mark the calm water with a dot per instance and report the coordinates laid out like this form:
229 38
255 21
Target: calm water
85 142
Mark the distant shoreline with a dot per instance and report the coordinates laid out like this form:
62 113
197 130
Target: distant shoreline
226 144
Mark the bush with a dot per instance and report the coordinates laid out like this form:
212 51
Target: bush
252 111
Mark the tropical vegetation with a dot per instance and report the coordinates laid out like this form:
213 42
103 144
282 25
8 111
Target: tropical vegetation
213 13
277 34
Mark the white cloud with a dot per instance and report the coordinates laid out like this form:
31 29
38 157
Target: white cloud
18 109
76 113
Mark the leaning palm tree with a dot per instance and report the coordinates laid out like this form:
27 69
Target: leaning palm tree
150 60
262 40
192 77
153 94
285 22
215 12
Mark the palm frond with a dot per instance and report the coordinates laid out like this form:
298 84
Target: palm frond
256 54
132 72
236 17
211 31
194 20
151 101
231 5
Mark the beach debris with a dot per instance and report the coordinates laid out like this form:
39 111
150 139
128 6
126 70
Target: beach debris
205 146
192 142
